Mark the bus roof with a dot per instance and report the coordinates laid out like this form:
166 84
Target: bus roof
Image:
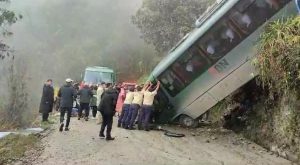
99 69
207 21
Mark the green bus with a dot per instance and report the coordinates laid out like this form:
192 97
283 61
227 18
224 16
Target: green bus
97 75
214 59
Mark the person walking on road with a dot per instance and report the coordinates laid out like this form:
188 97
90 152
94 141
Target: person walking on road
107 108
67 94
93 103
147 107
85 97
47 100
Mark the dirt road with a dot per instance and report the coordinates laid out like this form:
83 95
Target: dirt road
81 145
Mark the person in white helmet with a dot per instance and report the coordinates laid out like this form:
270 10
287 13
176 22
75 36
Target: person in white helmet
67 95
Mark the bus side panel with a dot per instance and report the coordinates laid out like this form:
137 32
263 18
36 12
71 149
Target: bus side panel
198 107
236 79
226 86
239 55
246 72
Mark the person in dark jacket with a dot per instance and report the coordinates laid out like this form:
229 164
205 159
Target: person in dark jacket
85 97
47 100
107 108
67 95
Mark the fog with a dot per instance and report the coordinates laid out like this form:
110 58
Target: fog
58 39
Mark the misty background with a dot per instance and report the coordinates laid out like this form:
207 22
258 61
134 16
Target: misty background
58 39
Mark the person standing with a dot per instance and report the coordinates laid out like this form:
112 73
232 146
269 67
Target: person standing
147 107
85 97
93 103
107 108
67 94
126 107
47 100
100 91
135 106
120 101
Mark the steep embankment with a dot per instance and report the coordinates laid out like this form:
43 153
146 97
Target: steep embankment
267 110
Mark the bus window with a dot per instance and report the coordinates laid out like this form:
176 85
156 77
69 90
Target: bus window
171 82
190 65
248 19
219 39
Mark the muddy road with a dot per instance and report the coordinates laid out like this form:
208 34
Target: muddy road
81 145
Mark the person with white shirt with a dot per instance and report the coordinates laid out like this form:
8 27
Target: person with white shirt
126 107
135 106
147 107
100 91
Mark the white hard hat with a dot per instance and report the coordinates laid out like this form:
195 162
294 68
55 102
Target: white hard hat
68 80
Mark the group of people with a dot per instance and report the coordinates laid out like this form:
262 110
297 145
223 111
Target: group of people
102 98
138 103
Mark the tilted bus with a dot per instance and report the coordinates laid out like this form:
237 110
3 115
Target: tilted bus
214 59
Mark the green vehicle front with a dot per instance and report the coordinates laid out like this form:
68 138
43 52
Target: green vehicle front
97 75
214 59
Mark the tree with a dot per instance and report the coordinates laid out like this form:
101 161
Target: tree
7 17
164 22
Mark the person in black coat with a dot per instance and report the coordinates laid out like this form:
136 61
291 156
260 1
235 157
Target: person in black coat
85 98
107 108
47 100
67 95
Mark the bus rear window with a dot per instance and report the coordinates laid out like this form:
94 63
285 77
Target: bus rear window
95 77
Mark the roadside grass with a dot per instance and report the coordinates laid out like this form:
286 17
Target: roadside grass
14 146
48 124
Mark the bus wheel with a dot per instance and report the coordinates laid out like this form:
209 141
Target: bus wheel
188 121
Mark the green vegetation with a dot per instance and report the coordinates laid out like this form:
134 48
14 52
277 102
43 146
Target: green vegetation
278 61
7 17
13 147
14 112
164 22
48 124
218 110
276 121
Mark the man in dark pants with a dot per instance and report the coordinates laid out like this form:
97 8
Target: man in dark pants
147 108
107 108
85 97
47 100
67 95
126 108
135 106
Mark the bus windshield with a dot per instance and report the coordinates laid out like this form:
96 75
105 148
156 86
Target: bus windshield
96 77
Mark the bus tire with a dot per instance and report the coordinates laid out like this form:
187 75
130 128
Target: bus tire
187 121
